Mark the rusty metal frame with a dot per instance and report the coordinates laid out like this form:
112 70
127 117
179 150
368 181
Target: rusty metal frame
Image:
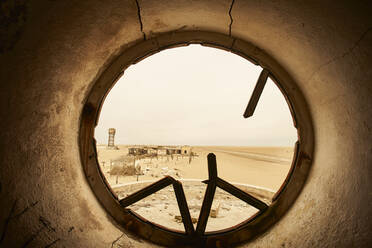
153 188
248 229
212 182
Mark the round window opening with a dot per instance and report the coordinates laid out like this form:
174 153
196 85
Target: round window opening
195 145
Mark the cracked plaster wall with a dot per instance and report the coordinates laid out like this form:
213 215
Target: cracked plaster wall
52 51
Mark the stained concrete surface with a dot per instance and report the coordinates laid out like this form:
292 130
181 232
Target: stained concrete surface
54 50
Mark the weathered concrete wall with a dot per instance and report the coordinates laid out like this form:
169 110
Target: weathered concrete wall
51 52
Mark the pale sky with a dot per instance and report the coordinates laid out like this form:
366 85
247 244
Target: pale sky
194 95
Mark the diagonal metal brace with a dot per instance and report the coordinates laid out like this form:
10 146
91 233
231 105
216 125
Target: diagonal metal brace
209 195
184 209
242 195
256 93
213 182
153 188
235 191
206 208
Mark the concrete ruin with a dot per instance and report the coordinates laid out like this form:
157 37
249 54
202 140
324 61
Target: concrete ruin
53 52
160 150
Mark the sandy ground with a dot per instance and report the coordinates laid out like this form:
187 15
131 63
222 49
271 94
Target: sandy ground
231 210
259 166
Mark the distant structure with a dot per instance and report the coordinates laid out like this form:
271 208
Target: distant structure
111 139
159 150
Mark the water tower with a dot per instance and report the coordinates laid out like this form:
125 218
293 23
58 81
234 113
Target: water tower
111 138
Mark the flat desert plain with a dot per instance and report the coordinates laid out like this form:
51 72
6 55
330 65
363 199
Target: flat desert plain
262 167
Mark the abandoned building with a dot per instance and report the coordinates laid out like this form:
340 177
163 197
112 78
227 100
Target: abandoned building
159 150
60 58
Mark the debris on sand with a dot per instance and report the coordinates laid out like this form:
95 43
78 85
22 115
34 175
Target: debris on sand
178 219
214 212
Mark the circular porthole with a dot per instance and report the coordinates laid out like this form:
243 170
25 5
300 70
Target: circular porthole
268 209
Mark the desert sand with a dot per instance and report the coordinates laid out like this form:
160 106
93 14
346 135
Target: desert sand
262 167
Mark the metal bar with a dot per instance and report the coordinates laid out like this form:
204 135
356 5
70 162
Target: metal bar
152 188
184 209
256 93
206 208
241 194
209 195
212 167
